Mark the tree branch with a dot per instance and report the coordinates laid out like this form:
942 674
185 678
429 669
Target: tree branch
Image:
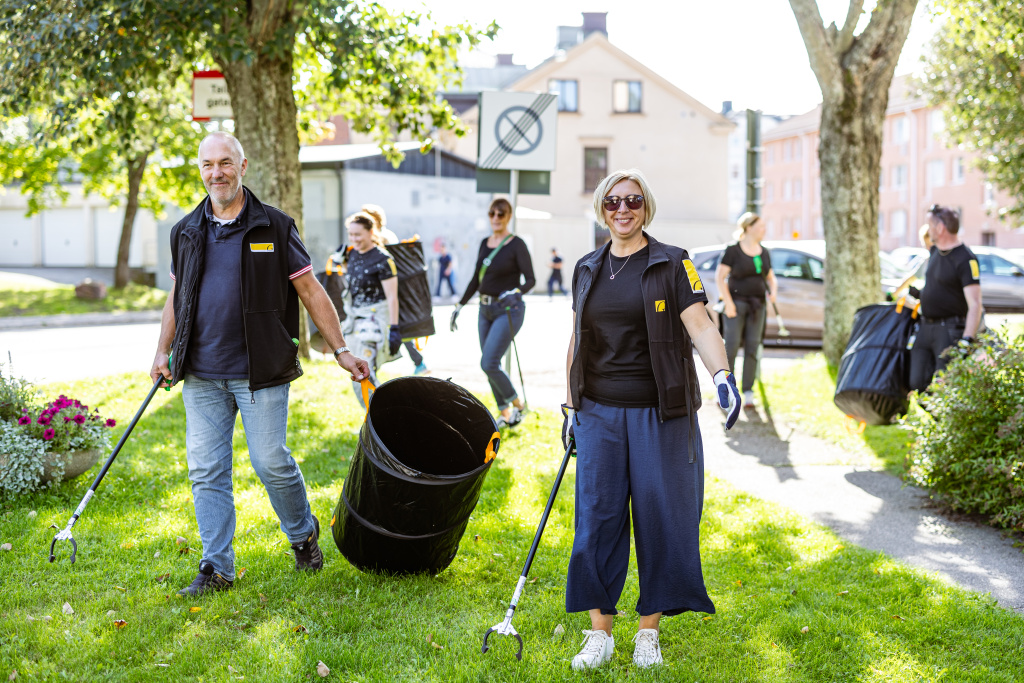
845 37
819 49
887 30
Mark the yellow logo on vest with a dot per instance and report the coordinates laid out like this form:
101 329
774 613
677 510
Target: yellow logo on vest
695 284
391 264
659 306
974 269
261 246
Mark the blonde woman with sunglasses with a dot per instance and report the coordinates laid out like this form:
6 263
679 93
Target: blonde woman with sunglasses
504 272
746 267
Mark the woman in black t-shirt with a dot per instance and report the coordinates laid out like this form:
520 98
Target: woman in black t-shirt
748 268
630 412
504 272
372 297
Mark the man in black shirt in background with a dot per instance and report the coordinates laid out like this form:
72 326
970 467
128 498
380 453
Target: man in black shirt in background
950 301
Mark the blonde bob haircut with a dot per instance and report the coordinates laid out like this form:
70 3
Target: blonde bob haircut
605 186
743 222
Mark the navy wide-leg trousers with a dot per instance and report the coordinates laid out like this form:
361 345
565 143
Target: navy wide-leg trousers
628 459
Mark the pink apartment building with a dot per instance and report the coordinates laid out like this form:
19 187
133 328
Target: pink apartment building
918 169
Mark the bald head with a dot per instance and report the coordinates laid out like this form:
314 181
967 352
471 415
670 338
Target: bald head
223 138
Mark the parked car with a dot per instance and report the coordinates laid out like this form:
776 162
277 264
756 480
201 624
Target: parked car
1002 278
799 267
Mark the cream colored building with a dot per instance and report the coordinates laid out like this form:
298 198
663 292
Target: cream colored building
614 113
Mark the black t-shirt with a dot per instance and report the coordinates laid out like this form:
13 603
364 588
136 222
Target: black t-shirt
745 279
511 261
365 272
944 281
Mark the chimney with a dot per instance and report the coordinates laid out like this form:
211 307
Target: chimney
595 21
569 37
726 107
504 59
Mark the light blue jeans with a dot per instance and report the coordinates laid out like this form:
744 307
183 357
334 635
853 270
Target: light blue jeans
210 409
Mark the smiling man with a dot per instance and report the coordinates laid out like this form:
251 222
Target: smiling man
232 322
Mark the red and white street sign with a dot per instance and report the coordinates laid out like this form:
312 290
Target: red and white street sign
210 99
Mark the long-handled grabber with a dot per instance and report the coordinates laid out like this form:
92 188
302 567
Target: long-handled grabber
783 332
65 534
505 628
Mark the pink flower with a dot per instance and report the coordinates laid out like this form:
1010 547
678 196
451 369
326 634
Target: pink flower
67 419
44 418
24 420
111 422
79 419
49 433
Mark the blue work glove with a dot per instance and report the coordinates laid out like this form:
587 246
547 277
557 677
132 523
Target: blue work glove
394 340
455 314
728 396
568 438
510 298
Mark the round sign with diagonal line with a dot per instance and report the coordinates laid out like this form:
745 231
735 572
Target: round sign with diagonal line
517 131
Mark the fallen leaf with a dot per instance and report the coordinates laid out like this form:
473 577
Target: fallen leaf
476 537
162 577
156 554
533 580
843 593
67 609
6 546
183 551
180 540
805 629
707 618
14 675
120 623
322 670
430 637
111 612
775 646
123 590
739 583
837 547
195 609
128 545
896 616
439 647
241 573
300 629
263 598
559 630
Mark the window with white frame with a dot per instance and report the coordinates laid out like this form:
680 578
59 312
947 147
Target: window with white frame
959 172
936 123
899 176
898 223
787 190
798 148
936 173
787 150
798 189
567 92
769 227
881 223
769 192
988 194
881 179
901 130
627 97
797 227
769 156
819 227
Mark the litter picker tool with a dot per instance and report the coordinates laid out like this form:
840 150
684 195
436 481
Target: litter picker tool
783 332
65 534
505 628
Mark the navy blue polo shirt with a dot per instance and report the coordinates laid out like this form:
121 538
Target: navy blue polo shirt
216 347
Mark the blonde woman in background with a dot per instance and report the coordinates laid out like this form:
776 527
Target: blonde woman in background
743 277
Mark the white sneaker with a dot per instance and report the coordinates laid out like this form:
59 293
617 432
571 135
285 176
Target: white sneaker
648 651
748 399
597 649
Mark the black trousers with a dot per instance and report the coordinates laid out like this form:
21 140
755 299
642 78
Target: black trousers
926 357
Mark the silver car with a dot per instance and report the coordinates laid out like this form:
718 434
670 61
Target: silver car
1002 278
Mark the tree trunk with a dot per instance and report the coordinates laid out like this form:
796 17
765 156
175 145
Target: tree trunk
266 125
854 73
136 167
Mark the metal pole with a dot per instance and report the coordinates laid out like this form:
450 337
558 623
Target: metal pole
754 180
513 198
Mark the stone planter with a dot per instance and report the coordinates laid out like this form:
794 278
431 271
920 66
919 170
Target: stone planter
75 464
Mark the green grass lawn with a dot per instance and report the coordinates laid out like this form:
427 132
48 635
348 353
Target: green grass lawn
20 295
770 573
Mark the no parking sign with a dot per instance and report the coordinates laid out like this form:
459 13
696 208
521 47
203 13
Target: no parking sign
517 131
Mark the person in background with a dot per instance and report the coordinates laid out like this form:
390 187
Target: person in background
504 272
746 267
231 322
556 274
372 293
445 271
950 299
389 237
631 413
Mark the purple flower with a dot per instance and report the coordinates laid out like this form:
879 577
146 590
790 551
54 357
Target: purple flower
49 433
67 419
24 420
111 422
79 419
44 418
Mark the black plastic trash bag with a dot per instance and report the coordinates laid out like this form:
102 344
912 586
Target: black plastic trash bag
424 451
333 283
874 372
415 311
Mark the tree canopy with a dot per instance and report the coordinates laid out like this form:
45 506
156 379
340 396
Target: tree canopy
975 73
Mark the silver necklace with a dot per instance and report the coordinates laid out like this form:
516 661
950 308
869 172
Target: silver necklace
612 269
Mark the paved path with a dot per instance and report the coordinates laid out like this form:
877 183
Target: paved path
764 457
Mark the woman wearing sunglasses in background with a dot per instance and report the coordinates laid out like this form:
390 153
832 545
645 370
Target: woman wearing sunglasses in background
504 272
631 407
748 268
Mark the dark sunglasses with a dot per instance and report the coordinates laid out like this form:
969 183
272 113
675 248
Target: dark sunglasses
492 213
633 202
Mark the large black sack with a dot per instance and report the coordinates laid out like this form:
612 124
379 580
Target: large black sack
333 283
415 311
423 454
874 372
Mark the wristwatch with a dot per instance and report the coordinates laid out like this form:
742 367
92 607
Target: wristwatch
340 350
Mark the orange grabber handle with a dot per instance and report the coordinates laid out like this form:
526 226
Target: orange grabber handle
368 389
